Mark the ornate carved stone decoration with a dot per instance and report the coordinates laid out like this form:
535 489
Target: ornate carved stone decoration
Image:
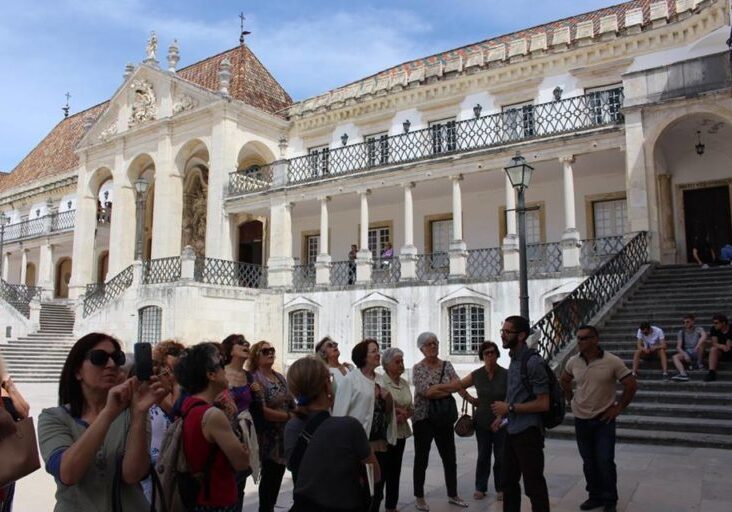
108 132
182 103
195 193
143 106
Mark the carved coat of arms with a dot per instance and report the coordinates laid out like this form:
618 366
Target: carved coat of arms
143 106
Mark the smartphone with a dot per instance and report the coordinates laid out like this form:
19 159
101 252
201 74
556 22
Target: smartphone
143 361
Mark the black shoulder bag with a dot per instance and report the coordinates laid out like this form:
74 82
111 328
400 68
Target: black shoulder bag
303 441
442 412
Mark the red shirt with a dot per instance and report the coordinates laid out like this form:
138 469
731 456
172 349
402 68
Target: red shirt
223 492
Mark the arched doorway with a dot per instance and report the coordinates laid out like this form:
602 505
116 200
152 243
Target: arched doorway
30 274
63 276
103 267
251 236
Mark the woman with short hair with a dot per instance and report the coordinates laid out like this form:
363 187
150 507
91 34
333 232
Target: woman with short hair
277 406
426 376
392 360
361 396
328 477
97 434
207 433
328 351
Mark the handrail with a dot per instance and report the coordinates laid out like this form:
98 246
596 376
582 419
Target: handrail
161 270
19 296
558 327
100 294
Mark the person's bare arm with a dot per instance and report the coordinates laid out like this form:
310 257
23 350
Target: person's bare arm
702 339
21 406
217 429
371 459
630 386
539 404
695 255
454 386
136 460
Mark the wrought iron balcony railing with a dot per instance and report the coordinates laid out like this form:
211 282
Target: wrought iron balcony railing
559 326
543 258
596 251
386 270
433 267
230 273
253 179
303 276
30 228
161 270
485 264
99 294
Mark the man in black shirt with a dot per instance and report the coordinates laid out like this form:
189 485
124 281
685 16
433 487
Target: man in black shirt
721 337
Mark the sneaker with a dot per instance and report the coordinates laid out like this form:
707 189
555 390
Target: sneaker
711 376
681 377
421 504
591 504
664 375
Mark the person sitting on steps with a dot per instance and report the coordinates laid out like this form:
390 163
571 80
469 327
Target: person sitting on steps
690 344
721 337
651 344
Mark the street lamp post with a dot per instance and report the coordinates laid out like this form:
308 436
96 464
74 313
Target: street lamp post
4 219
141 185
519 174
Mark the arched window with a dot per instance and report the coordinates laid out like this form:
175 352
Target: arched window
149 324
467 328
377 325
302 331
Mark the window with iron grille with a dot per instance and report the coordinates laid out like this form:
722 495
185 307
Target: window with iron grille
377 149
610 95
467 328
312 249
319 160
149 324
444 136
302 331
378 238
377 325
610 217
518 121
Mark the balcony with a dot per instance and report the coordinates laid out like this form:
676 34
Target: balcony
31 228
533 122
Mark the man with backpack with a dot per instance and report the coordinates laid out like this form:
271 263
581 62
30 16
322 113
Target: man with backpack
527 399
595 407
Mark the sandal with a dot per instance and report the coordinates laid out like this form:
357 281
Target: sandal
457 500
422 505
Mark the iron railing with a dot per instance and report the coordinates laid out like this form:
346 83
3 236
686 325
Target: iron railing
543 258
161 270
19 296
433 267
559 326
230 273
484 263
99 294
386 270
342 273
589 111
250 180
303 277
30 228
596 251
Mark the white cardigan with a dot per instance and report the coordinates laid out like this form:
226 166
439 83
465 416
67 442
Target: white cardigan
355 397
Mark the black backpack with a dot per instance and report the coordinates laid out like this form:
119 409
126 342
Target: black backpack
555 414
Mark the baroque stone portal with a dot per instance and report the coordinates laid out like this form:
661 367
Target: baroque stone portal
195 194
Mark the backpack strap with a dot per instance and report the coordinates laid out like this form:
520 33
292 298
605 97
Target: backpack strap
303 441
525 371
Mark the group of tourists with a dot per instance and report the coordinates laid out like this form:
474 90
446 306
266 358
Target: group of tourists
340 429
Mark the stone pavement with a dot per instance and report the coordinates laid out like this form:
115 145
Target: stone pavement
651 478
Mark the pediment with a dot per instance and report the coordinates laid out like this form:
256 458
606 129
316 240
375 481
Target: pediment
376 297
301 302
464 294
149 94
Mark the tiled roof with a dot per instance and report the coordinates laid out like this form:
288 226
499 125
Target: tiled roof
55 153
250 80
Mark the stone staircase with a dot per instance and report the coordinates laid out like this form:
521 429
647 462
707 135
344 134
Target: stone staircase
40 356
693 413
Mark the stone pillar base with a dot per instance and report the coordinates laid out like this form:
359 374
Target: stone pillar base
188 264
510 249
364 265
35 314
279 272
322 270
408 262
570 245
458 259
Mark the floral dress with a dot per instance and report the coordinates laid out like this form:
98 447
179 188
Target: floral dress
272 434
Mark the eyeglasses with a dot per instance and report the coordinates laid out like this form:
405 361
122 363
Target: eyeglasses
504 331
100 357
268 351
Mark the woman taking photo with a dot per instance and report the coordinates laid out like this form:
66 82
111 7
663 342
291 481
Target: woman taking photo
363 398
277 406
328 350
329 475
18 409
393 362
98 432
490 383
426 375
206 429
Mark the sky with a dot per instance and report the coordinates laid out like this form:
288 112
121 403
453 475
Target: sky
51 47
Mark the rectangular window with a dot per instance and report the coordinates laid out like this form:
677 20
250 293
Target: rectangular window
610 217
534 226
312 249
444 136
149 324
442 235
605 103
377 326
377 149
518 121
302 331
319 157
378 238
467 328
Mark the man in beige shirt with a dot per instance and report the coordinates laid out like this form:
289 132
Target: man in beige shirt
595 407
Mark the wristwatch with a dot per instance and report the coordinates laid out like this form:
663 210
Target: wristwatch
511 409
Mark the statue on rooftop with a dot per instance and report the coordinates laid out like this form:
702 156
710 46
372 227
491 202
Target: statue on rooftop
152 47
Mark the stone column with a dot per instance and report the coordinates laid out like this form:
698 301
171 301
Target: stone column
23 265
666 214
187 264
363 258
408 253
168 208
122 225
510 241
322 263
220 235
458 248
6 265
280 260
85 224
570 238
45 269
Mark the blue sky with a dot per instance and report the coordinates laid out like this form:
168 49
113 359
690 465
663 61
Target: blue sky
49 47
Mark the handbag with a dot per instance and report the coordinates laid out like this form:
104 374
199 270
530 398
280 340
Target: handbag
465 427
442 412
19 452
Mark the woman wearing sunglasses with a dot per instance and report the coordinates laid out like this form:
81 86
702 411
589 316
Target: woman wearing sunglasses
328 351
277 407
97 434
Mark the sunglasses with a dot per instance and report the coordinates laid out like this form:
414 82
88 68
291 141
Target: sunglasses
268 351
244 345
332 344
100 357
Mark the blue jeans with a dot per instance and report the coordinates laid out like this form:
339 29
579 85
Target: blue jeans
596 443
488 442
